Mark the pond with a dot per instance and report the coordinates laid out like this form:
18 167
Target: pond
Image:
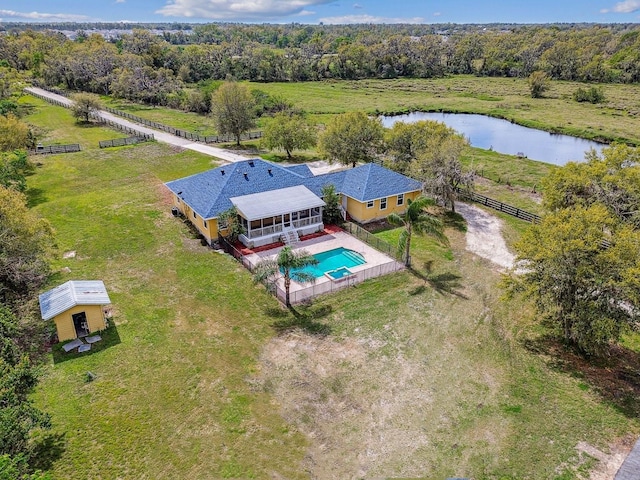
506 137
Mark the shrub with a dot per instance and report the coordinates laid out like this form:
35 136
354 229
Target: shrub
591 95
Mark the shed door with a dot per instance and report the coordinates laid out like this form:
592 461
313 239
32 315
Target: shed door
80 324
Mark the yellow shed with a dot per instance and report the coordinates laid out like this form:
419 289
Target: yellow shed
76 307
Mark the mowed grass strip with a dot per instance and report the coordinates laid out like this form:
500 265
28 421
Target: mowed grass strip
444 385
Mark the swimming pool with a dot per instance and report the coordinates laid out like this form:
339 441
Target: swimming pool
334 260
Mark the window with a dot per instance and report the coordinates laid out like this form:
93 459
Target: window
401 199
383 204
205 224
178 199
370 204
194 214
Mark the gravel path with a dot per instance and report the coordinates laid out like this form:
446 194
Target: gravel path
160 136
484 235
317 168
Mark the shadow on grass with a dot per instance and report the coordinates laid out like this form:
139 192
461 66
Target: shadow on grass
454 220
35 197
110 337
48 447
443 283
615 377
301 317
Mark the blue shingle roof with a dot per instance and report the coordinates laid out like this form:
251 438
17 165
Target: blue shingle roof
371 181
208 193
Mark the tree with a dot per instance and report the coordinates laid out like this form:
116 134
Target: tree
288 131
416 220
587 294
25 248
233 109
14 168
18 417
611 179
14 134
351 138
332 213
84 105
582 263
538 83
290 264
438 162
228 220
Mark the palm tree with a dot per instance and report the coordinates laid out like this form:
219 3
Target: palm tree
291 264
416 220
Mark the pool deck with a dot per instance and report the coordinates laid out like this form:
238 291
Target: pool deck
323 243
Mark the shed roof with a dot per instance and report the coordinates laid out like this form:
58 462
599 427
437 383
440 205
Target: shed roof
276 202
74 292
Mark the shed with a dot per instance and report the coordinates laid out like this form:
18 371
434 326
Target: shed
76 307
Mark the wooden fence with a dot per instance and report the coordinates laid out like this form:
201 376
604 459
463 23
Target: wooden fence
58 103
53 149
182 133
120 142
500 206
149 123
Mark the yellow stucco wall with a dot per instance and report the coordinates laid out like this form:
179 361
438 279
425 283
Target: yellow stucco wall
210 230
359 211
64 321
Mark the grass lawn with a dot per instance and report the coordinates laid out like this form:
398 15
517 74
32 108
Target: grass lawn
415 374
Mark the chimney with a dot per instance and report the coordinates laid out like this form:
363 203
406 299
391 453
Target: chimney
270 172
246 176
222 172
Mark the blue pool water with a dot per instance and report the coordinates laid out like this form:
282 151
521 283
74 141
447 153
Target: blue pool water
339 273
334 260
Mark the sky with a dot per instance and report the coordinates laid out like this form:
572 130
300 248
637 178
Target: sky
325 11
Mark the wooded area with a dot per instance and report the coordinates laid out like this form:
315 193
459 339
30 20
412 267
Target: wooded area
143 66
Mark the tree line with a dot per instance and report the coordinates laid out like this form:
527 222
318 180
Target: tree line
26 248
151 68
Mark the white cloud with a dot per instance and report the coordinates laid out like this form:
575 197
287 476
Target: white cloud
628 6
121 1
238 9
436 14
357 6
59 17
367 19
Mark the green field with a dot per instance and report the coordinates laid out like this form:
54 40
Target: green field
425 374
616 119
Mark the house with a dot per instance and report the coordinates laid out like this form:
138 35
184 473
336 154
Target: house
76 307
275 201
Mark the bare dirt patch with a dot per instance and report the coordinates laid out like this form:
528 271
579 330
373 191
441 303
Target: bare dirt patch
608 463
356 407
484 235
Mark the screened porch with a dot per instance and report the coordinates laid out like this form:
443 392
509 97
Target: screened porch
272 216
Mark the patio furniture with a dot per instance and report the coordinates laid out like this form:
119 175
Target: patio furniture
72 345
93 339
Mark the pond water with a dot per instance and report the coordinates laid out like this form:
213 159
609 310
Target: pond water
506 137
